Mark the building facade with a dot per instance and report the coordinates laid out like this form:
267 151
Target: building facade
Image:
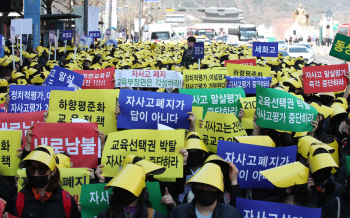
222 15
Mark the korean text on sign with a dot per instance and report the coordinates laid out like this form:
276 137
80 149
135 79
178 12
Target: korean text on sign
223 101
263 209
198 50
341 47
67 35
95 106
158 146
330 77
251 159
79 140
31 98
204 79
97 79
251 62
246 70
144 110
148 78
95 34
60 76
248 83
265 49
280 110
10 141
94 199
249 107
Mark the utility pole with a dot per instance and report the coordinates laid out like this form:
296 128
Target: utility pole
86 14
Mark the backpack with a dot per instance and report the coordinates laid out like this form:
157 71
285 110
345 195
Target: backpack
67 204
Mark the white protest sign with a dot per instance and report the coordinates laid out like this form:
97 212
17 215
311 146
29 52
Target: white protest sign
148 78
25 24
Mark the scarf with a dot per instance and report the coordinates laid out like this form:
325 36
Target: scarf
38 196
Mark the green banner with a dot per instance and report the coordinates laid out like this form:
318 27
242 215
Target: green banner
224 101
340 48
155 197
94 199
347 165
281 110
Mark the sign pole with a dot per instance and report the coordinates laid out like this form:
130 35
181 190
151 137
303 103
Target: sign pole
20 48
50 51
13 56
65 46
75 52
199 64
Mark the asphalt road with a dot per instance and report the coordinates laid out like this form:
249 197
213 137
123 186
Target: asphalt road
328 60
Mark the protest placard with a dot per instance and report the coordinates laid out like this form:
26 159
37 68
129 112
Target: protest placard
251 62
72 180
198 49
158 146
249 107
10 141
198 112
251 159
144 110
148 78
2 205
245 70
265 49
20 121
347 165
22 26
95 34
67 35
281 110
31 98
204 79
224 101
92 105
52 36
97 79
254 208
155 197
217 127
63 77
340 48
79 140
248 83
94 199
329 77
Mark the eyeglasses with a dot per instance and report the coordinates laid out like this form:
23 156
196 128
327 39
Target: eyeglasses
41 169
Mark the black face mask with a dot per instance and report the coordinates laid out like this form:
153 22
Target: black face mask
126 197
205 197
38 181
195 159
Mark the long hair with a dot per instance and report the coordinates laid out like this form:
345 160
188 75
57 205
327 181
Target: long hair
347 189
54 183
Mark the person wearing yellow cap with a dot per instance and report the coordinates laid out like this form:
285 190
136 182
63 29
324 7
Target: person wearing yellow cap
87 63
42 196
208 187
129 198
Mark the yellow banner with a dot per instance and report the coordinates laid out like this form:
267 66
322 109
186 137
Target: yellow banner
247 70
204 79
217 127
93 105
198 112
72 180
249 106
10 142
158 146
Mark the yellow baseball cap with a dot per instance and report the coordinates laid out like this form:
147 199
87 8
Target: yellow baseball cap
42 153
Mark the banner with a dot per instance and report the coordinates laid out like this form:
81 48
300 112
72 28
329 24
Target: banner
63 77
94 199
224 101
97 79
52 36
251 159
67 35
31 98
21 121
148 78
265 209
198 49
245 70
340 48
217 127
249 107
72 180
23 26
144 110
329 77
95 34
155 197
251 62
96 106
281 110
265 49
158 146
248 83
10 142
79 140
204 79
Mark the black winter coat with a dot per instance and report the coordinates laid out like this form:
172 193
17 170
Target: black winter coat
188 211
52 208
331 208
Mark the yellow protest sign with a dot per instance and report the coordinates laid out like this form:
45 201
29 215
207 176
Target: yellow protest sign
204 79
247 70
93 105
217 126
10 142
158 146
198 112
249 106
72 180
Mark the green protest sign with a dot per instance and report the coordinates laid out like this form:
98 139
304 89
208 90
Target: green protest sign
341 47
224 101
94 199
347 165
281 110
155 197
